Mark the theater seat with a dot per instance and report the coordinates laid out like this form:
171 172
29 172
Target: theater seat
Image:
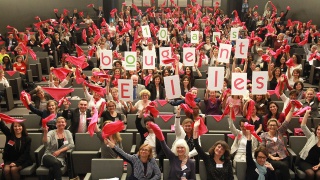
106 168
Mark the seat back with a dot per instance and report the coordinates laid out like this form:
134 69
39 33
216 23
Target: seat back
32 122
35 144
201 92
165 108
166 168
84 142
296 143
294 123
214 125
202 170
2 141
106 168
131 118
11 76
241 168
200 83
163 124
171 137
74 104
127 141
78 92
207 140
316 122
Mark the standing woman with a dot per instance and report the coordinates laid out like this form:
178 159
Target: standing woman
57 143
218 165
16 154
273 140
310 154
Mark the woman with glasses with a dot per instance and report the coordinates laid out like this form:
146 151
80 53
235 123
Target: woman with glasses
110 113
144 166
141 104
259 168
273 140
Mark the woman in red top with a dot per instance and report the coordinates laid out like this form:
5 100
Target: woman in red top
20 65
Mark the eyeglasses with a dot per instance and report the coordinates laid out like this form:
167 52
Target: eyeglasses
262 157
144 150
272 125
111 106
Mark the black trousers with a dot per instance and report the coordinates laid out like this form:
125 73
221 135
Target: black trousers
281 168
54 166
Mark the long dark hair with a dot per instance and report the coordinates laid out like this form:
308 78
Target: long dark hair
269 115
24 130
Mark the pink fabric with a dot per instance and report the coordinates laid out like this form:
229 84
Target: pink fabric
23 99
186 108
189 99
94 120
47 119
112 128
252 131
157 131
162 102
9 119
218 118
61 73
58 93
166 117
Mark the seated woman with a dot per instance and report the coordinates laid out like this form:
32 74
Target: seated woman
273 112
93 100
21 66
5 83
254 119
312 101
52 108
141 104
240 141
144 166
258 168
6 63
261 102
121 106
106 151
110 113
40 98
212 103
273 140
310 154
55 81
57 143
218 165
16 154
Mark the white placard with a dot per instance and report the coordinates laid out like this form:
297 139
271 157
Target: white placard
130 60
106 59
172 86
189 56
164 53
259 82
239 84
194 37
163 34
149 59
125 87
214 35
146 31
215 78
224 53
242 46
234 33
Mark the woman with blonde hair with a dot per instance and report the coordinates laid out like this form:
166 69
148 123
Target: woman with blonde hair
106 151
144 166
141 104
312 101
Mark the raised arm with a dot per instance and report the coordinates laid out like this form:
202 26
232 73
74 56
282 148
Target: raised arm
119 151
200 151
177 127
304 127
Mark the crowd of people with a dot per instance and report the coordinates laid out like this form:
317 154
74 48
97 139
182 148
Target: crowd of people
271 36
